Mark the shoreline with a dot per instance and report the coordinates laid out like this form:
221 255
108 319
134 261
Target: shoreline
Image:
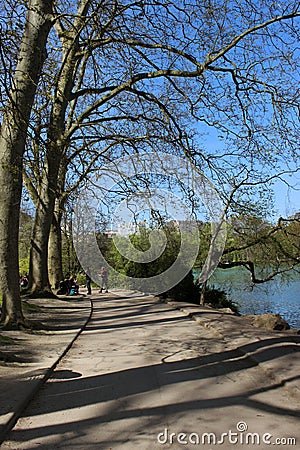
267 321
273 297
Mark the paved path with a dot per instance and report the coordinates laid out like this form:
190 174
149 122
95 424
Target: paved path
142 370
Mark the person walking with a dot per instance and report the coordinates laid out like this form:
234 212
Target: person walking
88 284
104 279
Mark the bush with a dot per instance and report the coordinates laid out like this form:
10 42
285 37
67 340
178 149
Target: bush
184 291
217 298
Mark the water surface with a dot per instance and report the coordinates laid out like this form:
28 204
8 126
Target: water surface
276 296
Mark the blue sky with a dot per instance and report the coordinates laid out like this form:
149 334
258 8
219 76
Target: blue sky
286 191
287 199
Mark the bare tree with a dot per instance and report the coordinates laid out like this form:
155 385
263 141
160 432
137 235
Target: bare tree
263 249
169 69
16 115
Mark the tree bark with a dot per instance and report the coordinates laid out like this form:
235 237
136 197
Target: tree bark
38 264
202 294
55 153
55 265
55 249
31 57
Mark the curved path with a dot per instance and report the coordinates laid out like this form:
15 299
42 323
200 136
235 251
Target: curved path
143 375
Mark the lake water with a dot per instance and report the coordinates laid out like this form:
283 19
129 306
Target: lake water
276 296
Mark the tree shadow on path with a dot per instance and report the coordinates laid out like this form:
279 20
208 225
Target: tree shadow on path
68 390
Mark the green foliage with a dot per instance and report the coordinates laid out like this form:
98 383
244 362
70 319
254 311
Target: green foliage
139 242
254 239
204 239
24 265
185 290
81 279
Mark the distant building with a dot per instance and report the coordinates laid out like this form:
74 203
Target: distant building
110 233
126 229
186 225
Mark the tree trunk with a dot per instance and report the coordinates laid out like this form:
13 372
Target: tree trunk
55 153
55 265
32 55
202 295
55 249
38 264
